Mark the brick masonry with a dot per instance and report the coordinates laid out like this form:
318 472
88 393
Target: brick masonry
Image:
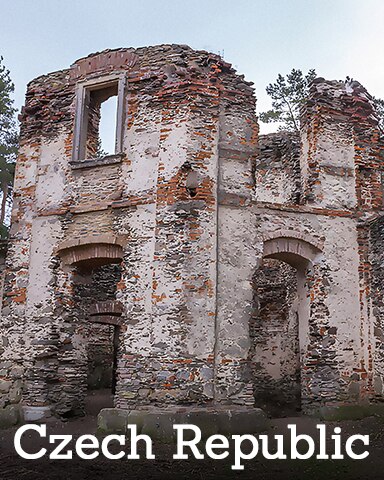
224 265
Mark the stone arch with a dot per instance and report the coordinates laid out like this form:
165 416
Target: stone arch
291 248
285 233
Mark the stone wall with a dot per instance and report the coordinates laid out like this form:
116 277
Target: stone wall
311 208
158 196
274 334
277 171
162 244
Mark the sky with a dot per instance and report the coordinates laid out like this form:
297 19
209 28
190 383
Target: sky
261 38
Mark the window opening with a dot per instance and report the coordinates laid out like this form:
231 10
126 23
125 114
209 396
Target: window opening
98 119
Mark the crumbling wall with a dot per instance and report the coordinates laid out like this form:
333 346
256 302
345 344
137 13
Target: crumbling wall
274 333
327 299
375 262
237 153
189 208
277 170
159 193
340 142
347 110
321 205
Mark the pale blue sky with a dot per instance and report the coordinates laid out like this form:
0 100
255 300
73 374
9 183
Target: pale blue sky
260 38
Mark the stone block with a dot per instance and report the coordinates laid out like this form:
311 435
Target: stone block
232 422
351 412
10 416
112 420
5 386
207 422
159 426
33 414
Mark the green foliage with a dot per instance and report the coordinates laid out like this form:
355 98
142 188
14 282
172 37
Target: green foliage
379 105
4 231
8 143
100 152
288 95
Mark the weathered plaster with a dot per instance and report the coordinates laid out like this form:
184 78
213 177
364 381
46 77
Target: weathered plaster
183 228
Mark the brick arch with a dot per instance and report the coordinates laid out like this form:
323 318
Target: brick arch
92 251
292 249
110 60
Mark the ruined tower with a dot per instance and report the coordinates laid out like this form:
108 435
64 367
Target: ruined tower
191 267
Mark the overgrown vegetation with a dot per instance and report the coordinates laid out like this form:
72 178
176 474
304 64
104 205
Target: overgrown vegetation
289 93
8 144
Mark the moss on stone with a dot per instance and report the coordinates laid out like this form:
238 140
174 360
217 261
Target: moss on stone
351 412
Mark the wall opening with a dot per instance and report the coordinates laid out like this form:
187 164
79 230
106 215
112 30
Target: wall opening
96 290
107 126
99 136
99 119
279 332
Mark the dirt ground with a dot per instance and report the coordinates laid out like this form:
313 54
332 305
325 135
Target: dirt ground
13 466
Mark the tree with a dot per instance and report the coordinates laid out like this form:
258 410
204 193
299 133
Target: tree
100 152
288 95
379 105
8 143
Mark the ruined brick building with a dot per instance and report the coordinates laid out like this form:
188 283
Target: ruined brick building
199 264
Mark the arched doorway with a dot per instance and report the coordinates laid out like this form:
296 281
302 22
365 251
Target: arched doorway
279 323
99 313
96 268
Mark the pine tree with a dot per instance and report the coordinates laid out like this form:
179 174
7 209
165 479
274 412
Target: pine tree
288 95
8 143
379 106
